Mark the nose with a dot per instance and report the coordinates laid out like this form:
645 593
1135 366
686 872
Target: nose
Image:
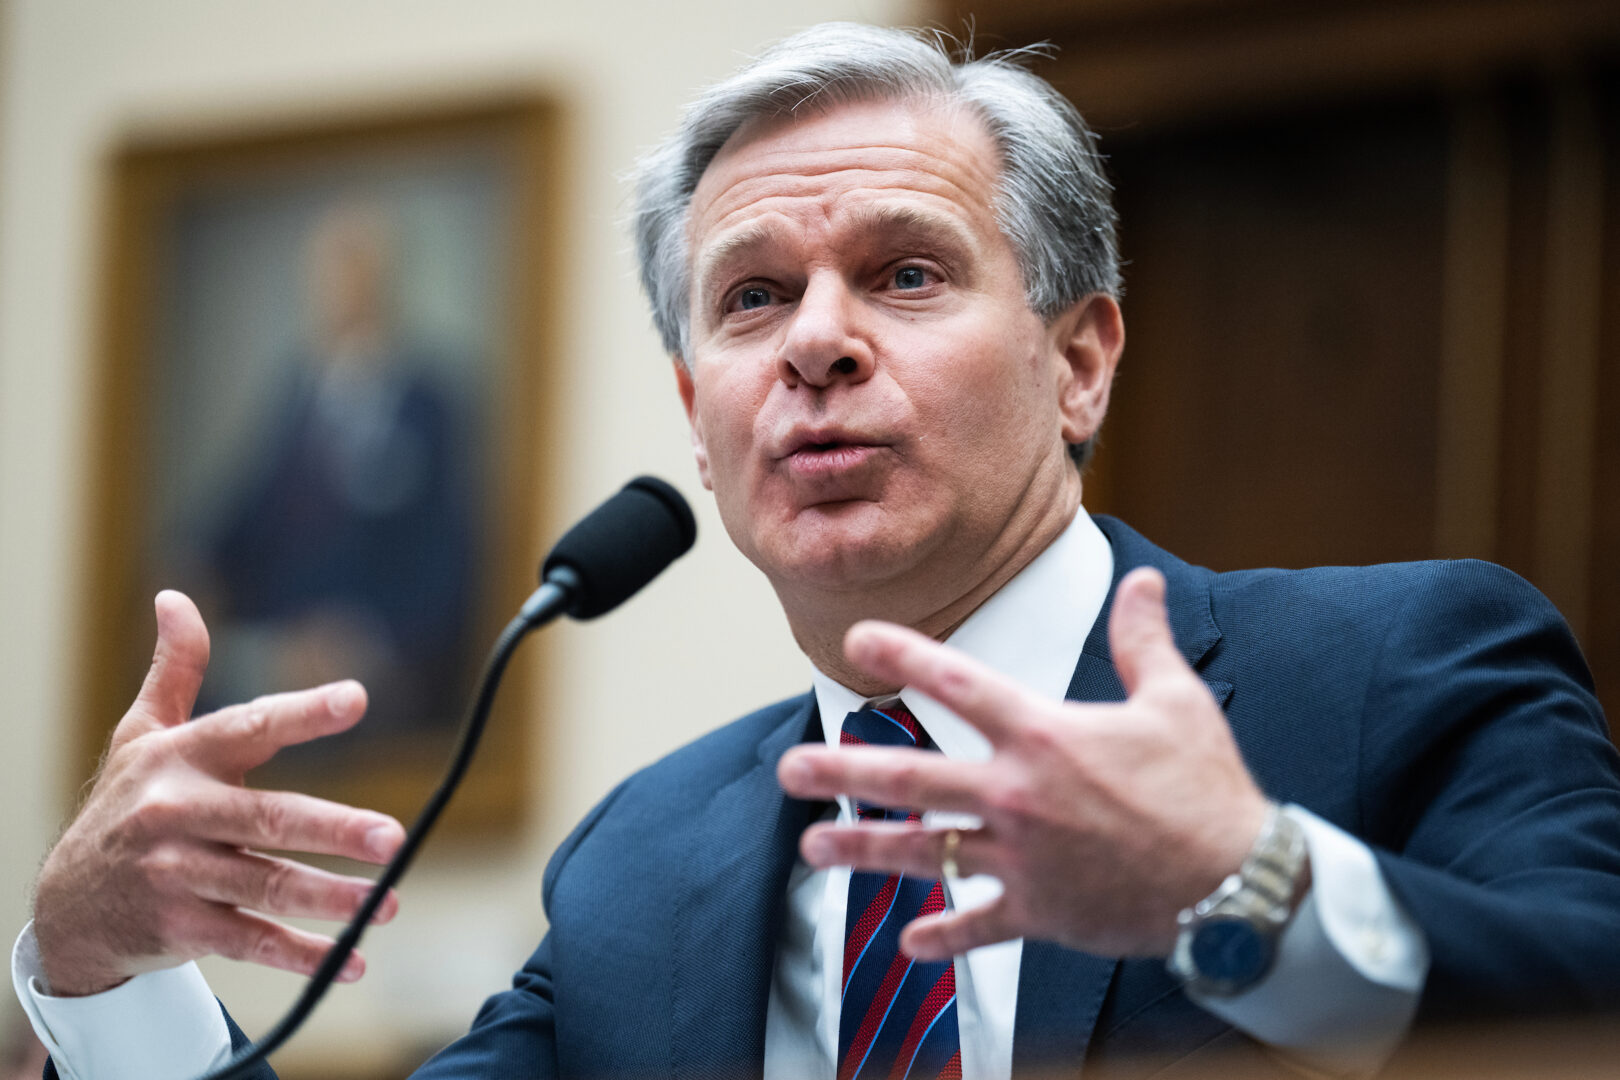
825 341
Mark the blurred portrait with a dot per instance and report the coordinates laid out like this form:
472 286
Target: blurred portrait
318 438
331 532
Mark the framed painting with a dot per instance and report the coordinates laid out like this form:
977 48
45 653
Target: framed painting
323 356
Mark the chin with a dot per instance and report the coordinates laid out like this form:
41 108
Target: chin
850 546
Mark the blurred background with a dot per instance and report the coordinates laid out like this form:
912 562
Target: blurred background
1373 298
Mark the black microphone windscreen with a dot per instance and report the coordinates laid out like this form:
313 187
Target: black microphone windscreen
622 545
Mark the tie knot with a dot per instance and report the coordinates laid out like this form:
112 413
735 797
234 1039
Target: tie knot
886 725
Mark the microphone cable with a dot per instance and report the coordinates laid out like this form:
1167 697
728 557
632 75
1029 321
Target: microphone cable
598 564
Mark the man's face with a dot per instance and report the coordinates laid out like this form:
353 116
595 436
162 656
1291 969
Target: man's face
871 396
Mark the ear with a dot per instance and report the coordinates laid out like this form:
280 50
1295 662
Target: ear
1086 340
683 383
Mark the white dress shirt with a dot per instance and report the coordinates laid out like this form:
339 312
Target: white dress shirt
1346 982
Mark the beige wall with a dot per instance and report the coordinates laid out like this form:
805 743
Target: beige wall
81 74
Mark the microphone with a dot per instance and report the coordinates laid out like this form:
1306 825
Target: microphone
617 548
598 564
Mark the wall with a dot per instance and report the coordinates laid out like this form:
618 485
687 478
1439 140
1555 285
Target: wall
1377 243
81 75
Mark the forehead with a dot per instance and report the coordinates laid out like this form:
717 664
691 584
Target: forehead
837 167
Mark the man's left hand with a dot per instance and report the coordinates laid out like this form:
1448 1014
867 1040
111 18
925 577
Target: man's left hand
1101 821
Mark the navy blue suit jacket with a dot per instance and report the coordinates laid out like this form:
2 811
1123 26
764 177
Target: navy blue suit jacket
1439 711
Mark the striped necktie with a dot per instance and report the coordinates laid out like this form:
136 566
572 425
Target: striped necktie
898 1018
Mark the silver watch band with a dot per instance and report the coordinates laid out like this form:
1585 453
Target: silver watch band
1252 906
1276 858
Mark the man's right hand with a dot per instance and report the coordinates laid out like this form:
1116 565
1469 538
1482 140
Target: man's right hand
162 864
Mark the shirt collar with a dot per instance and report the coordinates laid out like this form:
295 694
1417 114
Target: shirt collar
1031 630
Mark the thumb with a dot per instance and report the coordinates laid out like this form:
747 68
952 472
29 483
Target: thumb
1139 630
171 685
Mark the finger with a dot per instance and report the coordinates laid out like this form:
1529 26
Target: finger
290 821
895 655
1139 630
901 779
896 848
937 937
242 935
241 737
278 886
178 663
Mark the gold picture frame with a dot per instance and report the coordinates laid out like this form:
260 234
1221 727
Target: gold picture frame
323 356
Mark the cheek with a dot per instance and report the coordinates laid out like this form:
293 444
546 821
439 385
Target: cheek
728 411
990 399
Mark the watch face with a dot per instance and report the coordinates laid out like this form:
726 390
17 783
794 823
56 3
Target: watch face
1230 951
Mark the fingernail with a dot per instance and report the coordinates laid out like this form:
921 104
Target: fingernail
381 840
917 950
858 642
345 699
1152 587
795 771
353 968
817 848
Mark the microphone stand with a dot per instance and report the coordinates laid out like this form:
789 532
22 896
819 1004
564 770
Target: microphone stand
547 602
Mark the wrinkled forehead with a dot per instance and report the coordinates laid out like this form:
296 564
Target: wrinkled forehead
936 156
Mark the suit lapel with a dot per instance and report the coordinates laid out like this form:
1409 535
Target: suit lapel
729 910
1061 991
1187 601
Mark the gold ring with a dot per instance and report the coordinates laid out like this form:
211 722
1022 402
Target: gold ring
947 861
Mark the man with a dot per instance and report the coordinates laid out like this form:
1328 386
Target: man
359 482
888 282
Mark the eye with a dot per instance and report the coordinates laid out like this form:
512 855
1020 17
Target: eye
754 296
910 277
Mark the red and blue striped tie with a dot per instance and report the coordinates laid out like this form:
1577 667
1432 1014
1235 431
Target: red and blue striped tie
898 1018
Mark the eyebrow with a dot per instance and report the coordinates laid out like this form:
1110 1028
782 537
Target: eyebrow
903 224
910 224
731 248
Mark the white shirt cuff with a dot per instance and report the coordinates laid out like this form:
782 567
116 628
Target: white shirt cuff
163 1025
1349 970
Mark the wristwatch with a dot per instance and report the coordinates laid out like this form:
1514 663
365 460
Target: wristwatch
1228 940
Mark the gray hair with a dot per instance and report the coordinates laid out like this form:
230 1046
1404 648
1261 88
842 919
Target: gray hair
1053 199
